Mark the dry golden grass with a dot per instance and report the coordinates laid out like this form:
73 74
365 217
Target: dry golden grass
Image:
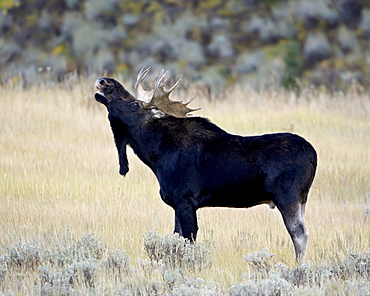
59 174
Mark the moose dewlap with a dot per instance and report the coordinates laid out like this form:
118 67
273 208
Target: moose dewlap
198 164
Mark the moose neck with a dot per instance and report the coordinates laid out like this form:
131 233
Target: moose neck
142 137
141 144
153 140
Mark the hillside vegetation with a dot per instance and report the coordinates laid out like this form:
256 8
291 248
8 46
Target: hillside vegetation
71 225
214 43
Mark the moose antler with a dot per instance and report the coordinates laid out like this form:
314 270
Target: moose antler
159 97
140 93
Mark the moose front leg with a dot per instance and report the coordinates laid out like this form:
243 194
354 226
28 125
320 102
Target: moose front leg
177 226
186 221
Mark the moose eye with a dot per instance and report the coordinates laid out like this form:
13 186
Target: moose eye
134 106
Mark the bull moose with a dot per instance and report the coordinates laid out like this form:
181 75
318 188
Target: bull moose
198 164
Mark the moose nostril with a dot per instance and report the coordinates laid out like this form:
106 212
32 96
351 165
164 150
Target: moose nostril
103 82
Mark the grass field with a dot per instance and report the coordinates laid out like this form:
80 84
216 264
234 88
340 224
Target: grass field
61 196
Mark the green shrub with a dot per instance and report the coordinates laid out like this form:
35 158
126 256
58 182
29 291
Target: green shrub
292 66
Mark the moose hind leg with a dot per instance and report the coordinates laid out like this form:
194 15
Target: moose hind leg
294 223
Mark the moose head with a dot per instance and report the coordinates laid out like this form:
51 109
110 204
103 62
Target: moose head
157 102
